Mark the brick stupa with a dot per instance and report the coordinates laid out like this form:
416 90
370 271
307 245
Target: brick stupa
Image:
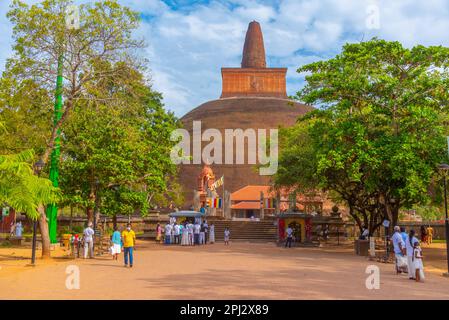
253 97
254 79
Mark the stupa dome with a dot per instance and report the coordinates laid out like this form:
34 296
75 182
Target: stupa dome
253 97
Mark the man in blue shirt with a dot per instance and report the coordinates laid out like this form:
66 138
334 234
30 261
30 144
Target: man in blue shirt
403 234
399 250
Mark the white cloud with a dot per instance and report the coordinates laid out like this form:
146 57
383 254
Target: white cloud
187 47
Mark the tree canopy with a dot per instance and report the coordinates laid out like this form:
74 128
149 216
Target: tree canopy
379 131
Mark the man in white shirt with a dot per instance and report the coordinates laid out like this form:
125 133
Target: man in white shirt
168 229
176 233
190 231
289 237
399 249
89 241
409 244
206 231
196 233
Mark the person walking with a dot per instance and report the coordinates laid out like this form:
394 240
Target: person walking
202 234
176 233
190 231
196 233
212 233
417 263
429 235
289 237
227 235
88 237
74 245
423 234
206 232
365 233
409 246
158 233
116 244
168 230
185 235
19 229
12 230
181 231
403 234
399 250
129 240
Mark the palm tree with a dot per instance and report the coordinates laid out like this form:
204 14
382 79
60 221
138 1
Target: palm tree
24 191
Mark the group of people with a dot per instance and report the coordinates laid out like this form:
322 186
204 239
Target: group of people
408 254
120 241
16 229
188 233
427 234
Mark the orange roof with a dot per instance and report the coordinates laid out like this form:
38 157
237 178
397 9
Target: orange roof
246 205
251 193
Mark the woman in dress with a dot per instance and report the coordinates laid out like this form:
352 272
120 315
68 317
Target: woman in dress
158 233
185 235
227 235
116 241
212 233
190 228
417 262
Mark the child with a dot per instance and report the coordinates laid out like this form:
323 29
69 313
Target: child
227 233
74 245
417 262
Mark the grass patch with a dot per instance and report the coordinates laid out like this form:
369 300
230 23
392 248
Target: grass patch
6 244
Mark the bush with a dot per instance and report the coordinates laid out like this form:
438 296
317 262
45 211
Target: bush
6 244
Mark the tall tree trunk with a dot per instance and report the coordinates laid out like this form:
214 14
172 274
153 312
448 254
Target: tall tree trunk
114 221
90 210
43 226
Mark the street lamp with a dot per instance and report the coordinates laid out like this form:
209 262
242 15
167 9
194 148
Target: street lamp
38 166
97 183
444 169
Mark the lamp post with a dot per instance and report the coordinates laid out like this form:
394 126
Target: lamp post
97 183
444 169
38 166
116 188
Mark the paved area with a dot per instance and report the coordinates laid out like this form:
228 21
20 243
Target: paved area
239 271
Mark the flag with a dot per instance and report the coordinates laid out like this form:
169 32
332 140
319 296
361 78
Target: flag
216 202
208 202
268 203
217 183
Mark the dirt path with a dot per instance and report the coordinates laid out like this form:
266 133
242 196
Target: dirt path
240 271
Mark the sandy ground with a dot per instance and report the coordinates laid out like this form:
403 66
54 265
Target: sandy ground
239 271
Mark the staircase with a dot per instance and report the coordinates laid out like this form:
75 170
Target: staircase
251 231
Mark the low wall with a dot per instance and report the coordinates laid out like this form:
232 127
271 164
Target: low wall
138 223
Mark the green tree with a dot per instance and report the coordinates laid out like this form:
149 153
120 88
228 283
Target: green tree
40 37
20 188
379 133
116 153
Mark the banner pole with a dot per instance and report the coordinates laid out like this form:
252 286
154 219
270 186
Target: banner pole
224 200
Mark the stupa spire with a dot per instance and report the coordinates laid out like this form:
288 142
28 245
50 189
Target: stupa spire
254 50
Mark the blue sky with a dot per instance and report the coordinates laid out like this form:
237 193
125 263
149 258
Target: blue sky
189 41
